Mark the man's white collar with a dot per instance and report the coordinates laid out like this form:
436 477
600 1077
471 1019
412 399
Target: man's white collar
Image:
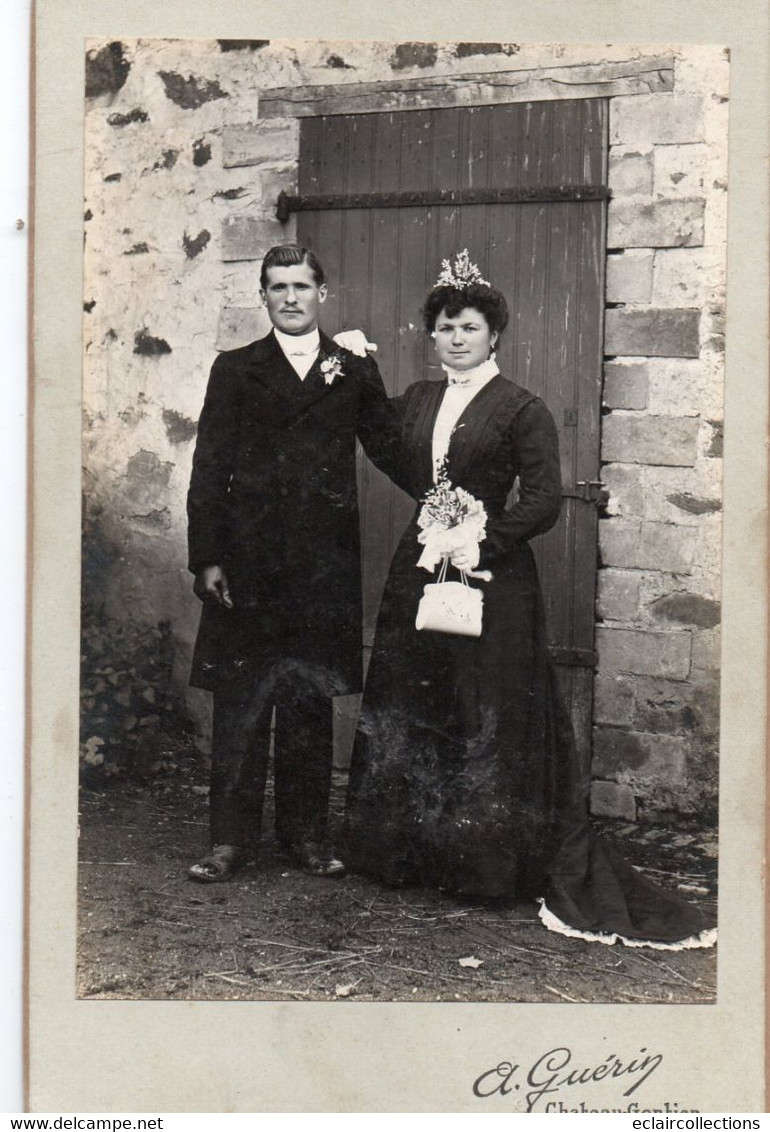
298 343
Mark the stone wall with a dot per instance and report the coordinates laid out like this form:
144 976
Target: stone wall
182 174
656 691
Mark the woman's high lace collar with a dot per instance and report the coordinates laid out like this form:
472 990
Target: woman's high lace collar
476 376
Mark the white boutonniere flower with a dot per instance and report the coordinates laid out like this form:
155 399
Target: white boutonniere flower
331 368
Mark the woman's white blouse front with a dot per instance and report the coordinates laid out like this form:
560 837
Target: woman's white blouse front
462 387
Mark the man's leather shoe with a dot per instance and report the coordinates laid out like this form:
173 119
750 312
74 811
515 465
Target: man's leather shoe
221 863
318 860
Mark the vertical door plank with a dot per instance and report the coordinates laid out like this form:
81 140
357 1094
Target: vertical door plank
536 142
413 240
443 221
308 177
308 181
595 142
474 165
356 246
385 255
355 312
590 343
504 224
592 218
560 394
330 232
530 298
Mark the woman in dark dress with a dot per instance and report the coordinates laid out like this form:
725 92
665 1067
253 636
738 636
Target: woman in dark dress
464 773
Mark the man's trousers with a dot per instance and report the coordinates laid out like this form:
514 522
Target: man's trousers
302 766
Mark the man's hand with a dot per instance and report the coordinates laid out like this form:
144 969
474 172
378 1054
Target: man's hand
356 342
211 586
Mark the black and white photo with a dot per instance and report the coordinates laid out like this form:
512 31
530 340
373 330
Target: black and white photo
409 547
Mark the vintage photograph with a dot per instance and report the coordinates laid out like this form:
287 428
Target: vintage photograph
403 371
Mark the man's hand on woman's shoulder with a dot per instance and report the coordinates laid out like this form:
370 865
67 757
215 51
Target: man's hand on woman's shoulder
355 341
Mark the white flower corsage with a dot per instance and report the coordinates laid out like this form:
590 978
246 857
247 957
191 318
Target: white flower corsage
331 368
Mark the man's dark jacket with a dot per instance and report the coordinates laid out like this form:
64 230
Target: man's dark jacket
273 501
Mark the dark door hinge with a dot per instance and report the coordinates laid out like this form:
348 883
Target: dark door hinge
288 203
573 657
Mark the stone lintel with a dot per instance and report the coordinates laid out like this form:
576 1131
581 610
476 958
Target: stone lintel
647 75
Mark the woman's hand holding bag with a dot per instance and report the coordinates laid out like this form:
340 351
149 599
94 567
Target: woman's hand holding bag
451 607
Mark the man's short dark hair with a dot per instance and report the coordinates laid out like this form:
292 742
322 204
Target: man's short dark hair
480 296
290 255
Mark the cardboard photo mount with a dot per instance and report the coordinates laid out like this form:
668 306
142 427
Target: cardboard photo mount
369 1057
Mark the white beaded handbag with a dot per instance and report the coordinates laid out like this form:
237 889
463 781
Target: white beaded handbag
451 607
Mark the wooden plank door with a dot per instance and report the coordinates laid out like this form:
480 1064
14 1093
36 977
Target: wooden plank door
400 192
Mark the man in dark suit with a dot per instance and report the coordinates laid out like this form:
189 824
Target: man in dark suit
274 546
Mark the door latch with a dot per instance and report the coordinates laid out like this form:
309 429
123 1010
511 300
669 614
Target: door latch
589 491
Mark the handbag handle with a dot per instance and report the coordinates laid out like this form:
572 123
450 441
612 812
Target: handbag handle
442 573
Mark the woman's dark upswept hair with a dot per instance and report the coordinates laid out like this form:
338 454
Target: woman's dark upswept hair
480 296
290 255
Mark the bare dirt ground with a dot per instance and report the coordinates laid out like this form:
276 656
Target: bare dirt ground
146 932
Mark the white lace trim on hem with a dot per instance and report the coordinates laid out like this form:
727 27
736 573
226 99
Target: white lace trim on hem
706 938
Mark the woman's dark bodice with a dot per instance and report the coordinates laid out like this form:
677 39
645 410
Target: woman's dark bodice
505 435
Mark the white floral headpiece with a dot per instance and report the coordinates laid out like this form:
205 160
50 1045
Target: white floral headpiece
463 274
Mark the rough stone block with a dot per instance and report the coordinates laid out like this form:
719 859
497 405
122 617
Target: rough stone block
655 224
711 439
240 325
624 483
665 706
703 66
619 543
687 609
644 653
246 237
646 546
682 495
691 504
240 285
625 385
684 387
618 596
275 182
630 172
634 439
679 170
672 333
608 800
636 757
707 649
706 705
664 118
613 699
688 276
713 332
267 142
666 547
707 558
629 277
715 221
